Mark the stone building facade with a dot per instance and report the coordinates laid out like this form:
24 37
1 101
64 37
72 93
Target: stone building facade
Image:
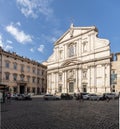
80 62
115 73
22 75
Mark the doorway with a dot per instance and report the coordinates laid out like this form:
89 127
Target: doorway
84 88
22 89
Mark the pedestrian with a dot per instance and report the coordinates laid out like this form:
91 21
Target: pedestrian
8 96
107 98
80 97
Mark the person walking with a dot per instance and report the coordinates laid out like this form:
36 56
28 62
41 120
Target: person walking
107 98
80 97
8 97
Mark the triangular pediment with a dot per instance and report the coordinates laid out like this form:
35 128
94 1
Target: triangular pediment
73 32
69 63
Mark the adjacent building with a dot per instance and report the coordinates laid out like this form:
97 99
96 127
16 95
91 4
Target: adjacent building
80 62
22 75
115 73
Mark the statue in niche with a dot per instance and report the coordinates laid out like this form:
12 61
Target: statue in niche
70 74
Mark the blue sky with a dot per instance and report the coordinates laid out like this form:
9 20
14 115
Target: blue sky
30 27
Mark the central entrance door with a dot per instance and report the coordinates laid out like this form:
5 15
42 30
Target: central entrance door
22 89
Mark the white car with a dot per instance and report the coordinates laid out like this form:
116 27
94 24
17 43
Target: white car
94 97
31 94
51 97
86 97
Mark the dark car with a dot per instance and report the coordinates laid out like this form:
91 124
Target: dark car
66 96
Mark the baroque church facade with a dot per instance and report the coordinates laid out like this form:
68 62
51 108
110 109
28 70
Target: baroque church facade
80 62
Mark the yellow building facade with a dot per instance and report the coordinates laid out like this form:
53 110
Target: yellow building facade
22 75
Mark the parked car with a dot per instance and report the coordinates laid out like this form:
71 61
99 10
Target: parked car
110 96
23 97
14 96
84 95
51 97
94 97
66 96
31 94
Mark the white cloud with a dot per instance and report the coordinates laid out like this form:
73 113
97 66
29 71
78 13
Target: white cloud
9 41
1 41
32 49
41 48
8 47
20 36
18 23
32 8
5 46
51 38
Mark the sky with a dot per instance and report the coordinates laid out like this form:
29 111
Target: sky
31 27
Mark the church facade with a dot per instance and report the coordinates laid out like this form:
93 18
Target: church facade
80 62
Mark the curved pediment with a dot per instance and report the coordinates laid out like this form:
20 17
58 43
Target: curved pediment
69 62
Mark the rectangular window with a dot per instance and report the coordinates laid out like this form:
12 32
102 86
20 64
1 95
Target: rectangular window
22 77
113 78
15 66
28 78
33 79
85 44
60 77
33 70
7 76
28 68
7 64
15 77
22 68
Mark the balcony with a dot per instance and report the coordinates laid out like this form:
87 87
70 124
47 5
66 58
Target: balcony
22 82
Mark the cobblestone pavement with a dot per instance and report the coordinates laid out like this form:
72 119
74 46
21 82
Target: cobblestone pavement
63 114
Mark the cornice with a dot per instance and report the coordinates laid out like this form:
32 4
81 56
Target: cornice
81 63
15 56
